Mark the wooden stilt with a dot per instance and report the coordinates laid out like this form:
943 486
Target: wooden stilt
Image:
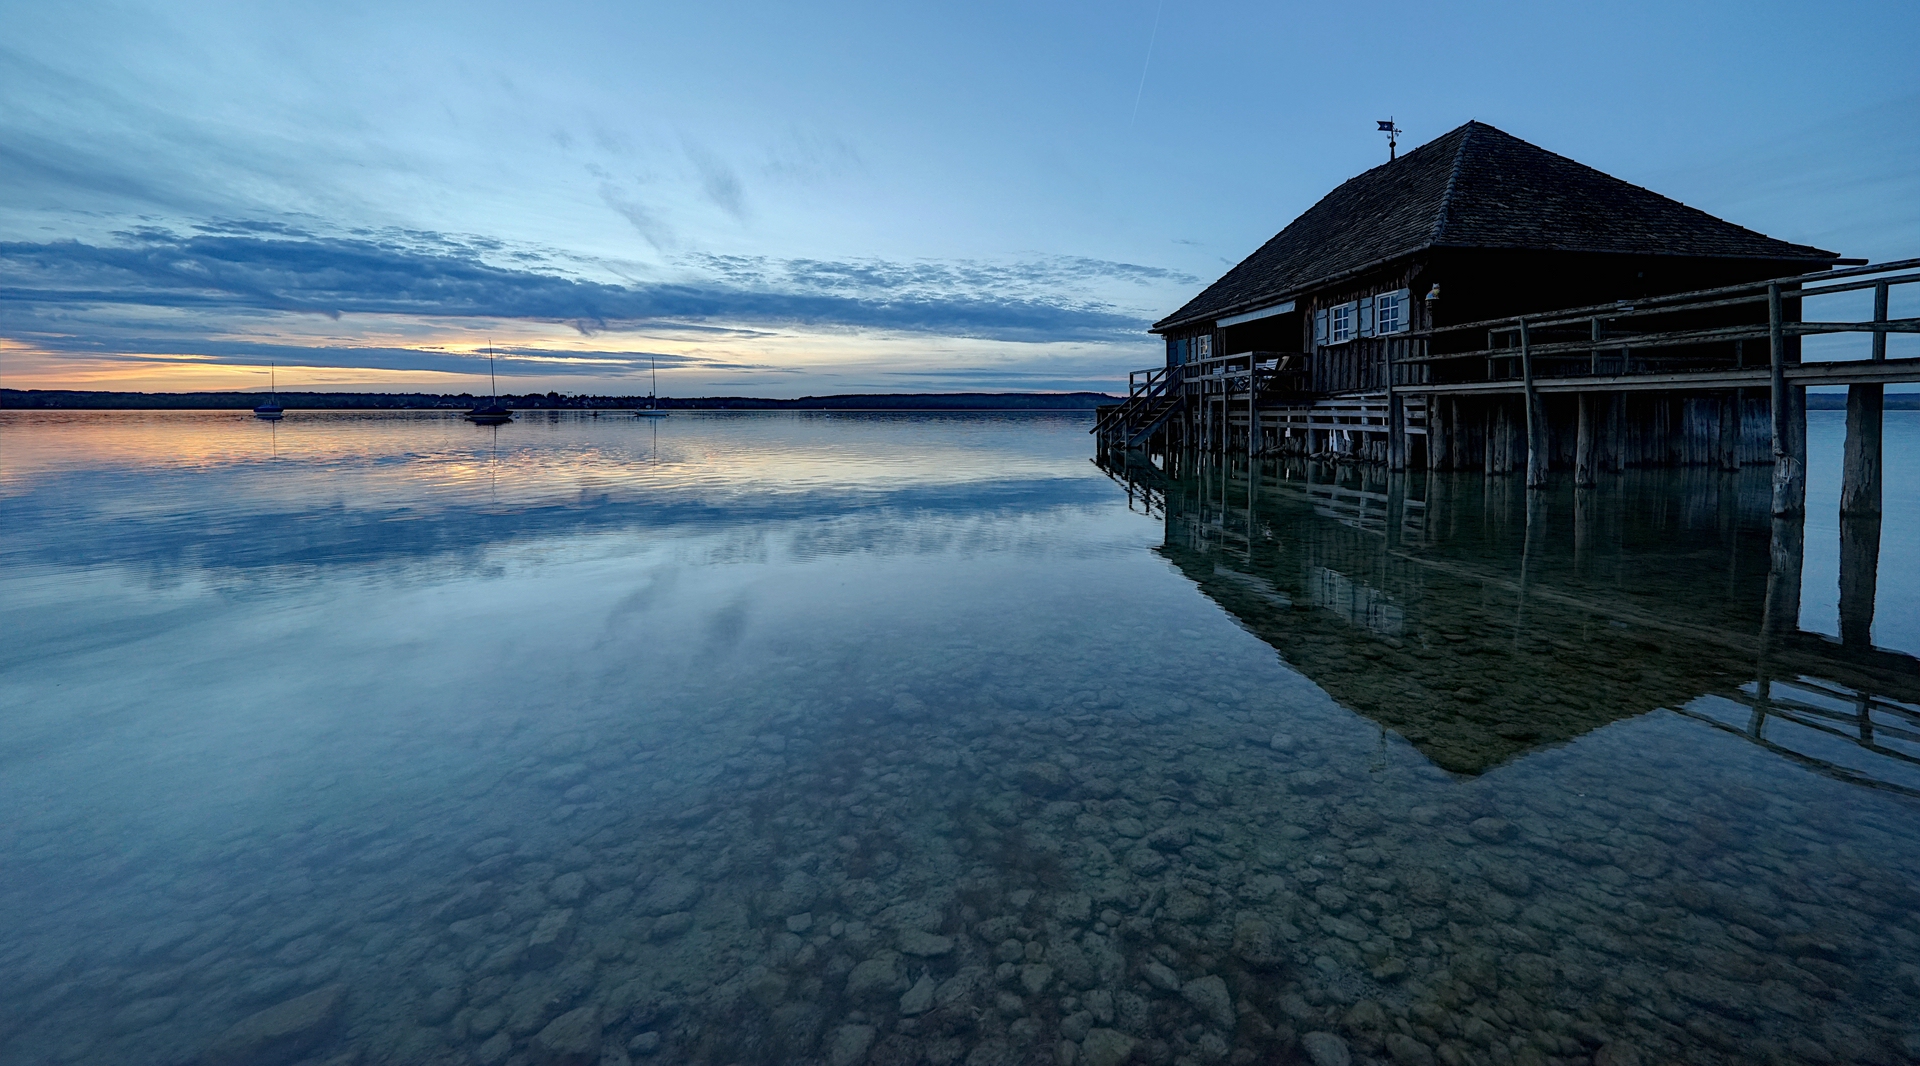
1727 450
1860 482
1583 443
1493 418
1536 417
1397 433
1463 436
1253 413
1616 444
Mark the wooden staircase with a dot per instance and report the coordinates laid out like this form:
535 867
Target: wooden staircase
1153 396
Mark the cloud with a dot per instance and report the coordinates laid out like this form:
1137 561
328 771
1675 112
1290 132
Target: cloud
103 343
240 267
651 227
808 157
718 182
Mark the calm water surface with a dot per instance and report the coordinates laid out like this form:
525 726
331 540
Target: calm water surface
873 739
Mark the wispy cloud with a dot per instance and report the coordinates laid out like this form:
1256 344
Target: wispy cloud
273 267
718 181
648 224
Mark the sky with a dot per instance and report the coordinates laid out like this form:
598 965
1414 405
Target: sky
779 200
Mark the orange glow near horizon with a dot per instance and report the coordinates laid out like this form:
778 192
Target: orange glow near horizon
757 362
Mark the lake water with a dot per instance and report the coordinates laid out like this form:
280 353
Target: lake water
899 739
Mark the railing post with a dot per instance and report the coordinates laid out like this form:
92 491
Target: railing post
1396 417
1880 322
1253 428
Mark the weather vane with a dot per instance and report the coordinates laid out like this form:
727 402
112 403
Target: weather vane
1393 138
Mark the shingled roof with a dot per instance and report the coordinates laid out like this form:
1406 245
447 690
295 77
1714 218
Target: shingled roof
1475 187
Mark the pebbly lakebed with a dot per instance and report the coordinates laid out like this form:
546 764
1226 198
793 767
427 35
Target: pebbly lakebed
841 739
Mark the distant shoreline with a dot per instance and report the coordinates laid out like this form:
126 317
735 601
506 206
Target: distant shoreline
75 400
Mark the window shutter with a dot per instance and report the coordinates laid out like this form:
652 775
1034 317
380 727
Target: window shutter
1320 327
1366 317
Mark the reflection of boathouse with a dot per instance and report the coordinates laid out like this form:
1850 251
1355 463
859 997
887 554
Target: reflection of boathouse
1440 608
1482 303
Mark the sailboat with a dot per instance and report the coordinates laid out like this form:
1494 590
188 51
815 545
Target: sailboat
492 414
652 409
271 410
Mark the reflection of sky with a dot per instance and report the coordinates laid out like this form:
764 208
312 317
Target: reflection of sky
227 491
189 609
1896 612
264 696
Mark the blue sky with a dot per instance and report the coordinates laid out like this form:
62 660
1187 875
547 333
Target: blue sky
779 199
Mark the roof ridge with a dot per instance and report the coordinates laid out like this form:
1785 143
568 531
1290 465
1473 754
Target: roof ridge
1453 178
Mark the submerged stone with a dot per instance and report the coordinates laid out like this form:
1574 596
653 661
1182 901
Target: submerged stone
280 1033
666 895
919 998
573 1039
924 945
848 1045
1106 1047
1326 1049
670 926
550 939
1492 830
1209 994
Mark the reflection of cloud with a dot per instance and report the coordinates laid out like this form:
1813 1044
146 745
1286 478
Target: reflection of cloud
235 267
257 530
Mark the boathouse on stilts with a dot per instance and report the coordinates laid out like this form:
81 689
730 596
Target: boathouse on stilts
1482 303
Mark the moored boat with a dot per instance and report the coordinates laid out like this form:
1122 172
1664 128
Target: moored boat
492 414
271 411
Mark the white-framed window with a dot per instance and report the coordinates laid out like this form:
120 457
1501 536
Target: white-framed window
1342 322
1203 347
1390 312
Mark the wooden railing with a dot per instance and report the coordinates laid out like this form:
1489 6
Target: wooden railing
1514 343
